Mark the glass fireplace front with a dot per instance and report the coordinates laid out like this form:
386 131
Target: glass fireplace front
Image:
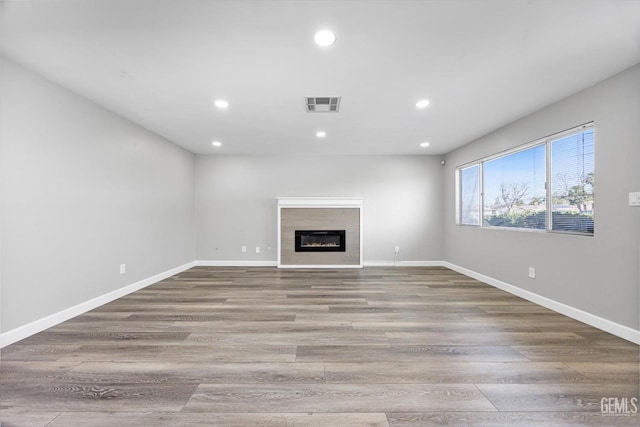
320 241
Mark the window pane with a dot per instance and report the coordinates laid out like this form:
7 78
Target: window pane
470 196
572 164
514 189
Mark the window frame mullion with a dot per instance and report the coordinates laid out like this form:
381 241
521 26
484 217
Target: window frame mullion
480 194
548 188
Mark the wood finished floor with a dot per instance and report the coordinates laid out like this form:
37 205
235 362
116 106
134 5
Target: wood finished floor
262 346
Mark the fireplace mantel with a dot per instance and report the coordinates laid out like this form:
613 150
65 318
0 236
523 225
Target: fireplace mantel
323 212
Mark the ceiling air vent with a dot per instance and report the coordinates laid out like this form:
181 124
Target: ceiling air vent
323 104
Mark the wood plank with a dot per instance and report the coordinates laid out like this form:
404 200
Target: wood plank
581 353
339 397
14 372
554 397
508 419
186 353
486 338
179 372
107 337
450 372
10 417
619 372
289 338
54 396
108 419
415 353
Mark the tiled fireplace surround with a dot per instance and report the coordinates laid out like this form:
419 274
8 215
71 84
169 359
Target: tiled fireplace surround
320 213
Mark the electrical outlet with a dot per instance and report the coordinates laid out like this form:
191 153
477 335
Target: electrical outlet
243 249
634 199
123 268
396 249
257 249
532 272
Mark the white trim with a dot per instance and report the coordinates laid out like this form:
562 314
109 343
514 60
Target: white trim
234 263
278 235
383 263
390 263
606 325
320 202
378 264
40 325
319 266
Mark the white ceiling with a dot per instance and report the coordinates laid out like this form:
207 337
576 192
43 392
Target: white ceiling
481 63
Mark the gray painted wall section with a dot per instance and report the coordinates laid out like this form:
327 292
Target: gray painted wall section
236 202
83 191
600 274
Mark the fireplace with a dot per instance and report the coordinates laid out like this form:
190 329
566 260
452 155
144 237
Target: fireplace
320 241
320 218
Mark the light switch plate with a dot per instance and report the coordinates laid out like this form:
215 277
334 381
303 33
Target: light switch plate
634 199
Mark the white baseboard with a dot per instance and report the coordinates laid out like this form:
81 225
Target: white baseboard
240 263
390 263
614 328
40 325
235 263
318 266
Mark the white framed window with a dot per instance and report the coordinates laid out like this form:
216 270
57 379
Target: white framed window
572 179
546 185
470 195
514 189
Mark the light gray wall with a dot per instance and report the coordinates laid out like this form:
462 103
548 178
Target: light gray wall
600 274
236 202
83 191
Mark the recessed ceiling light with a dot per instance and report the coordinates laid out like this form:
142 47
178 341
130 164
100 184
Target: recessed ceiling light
324 38
321 134
221 103
422 103
216 144
424 144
